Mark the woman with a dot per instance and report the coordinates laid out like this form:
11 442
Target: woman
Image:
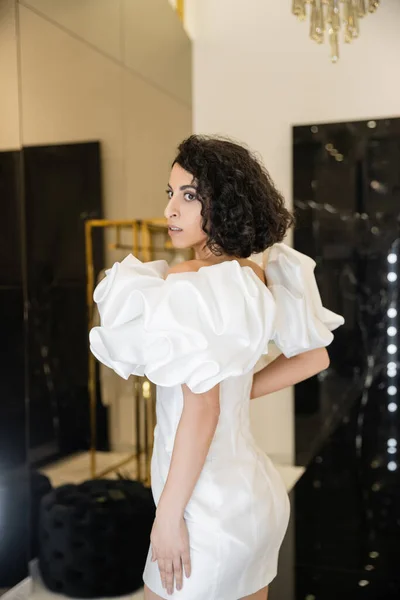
197 330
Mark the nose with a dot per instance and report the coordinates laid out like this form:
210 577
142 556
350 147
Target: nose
171 209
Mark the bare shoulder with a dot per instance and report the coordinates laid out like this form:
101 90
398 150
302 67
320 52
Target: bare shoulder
195 264
259 271
186 266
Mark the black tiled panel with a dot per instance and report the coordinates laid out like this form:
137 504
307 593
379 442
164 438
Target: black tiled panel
14 485
345 524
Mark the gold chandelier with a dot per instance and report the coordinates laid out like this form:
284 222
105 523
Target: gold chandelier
325 15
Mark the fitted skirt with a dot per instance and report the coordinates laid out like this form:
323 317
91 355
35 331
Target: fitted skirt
236 518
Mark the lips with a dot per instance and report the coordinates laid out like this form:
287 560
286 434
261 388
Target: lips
171 228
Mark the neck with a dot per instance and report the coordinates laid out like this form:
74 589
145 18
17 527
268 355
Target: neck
213 257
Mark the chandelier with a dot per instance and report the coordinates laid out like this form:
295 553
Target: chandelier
326 15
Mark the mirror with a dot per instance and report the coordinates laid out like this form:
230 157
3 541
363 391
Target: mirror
346 190
100 96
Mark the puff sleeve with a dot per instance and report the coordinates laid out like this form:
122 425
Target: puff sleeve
196 328
302 323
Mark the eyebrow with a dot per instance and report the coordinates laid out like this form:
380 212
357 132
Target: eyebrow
185 187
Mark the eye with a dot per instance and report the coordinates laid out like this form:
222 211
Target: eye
190 196
169 193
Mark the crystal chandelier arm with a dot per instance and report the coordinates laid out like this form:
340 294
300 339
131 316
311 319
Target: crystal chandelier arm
326 15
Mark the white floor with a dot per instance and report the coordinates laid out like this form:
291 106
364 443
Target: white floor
75 470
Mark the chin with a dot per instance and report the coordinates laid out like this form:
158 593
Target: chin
179 244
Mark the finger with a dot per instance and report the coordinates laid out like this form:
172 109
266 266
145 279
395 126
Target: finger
161 568
186 563
178 574
169 575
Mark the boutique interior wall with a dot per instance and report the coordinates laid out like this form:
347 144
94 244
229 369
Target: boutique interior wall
113 71
256 73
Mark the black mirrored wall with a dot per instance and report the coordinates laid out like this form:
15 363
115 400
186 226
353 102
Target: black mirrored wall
47 193
346 190
14 485
62 188
345 519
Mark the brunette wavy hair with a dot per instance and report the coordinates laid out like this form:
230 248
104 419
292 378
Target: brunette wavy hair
243 212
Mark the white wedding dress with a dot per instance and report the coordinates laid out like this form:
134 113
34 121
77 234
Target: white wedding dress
203 328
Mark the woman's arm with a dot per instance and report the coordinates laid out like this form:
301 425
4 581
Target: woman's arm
169 536
283 372
193 438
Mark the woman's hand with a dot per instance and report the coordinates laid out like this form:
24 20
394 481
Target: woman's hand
170 548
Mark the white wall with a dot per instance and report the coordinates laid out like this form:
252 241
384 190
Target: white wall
108 70
256 73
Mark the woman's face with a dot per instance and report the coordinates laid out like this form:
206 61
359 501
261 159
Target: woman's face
183 211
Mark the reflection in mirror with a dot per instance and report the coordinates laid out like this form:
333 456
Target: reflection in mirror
104 99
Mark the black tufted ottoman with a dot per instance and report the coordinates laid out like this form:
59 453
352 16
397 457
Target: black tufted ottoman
21 492
94 537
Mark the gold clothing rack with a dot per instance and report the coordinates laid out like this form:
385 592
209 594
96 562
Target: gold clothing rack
144 391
